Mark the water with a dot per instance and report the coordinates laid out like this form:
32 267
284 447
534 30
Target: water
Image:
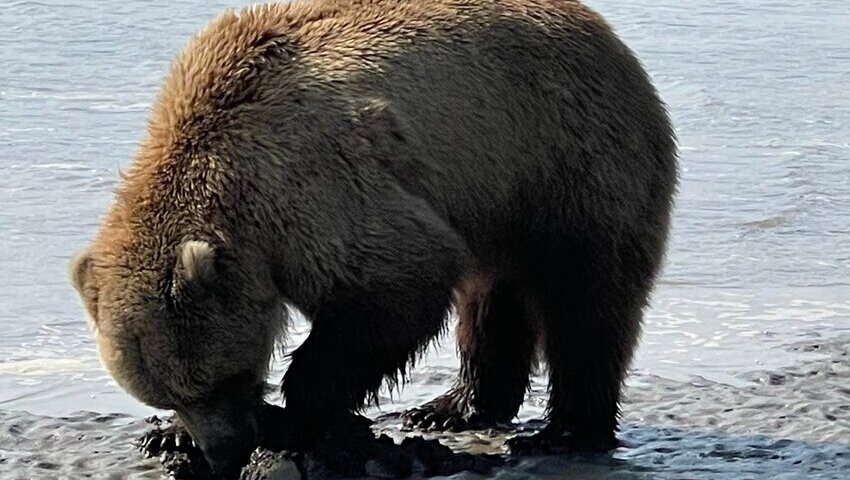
758 270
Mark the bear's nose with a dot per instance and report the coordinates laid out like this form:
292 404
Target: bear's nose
226 436
226 459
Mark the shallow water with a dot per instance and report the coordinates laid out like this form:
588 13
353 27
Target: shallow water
759 259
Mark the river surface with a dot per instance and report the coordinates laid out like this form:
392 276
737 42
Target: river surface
743 371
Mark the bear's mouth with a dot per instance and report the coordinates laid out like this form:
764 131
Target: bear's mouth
226 429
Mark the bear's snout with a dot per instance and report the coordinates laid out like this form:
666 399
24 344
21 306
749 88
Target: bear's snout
227 436
226 457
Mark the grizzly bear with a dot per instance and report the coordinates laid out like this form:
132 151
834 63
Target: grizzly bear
373 164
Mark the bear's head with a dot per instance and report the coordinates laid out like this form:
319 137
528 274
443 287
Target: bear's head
189 332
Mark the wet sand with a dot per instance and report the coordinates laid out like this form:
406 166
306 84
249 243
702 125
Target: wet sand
780 424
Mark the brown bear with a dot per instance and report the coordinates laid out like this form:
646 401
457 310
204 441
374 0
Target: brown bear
374 163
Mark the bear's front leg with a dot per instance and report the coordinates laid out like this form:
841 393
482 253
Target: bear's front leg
376 320
355 343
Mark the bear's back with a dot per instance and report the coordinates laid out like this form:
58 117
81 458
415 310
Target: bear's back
483 108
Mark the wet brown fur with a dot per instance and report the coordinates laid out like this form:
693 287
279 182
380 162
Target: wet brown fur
358 159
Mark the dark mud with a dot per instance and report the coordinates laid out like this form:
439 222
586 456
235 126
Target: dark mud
354 452
699 429
82 445
789 423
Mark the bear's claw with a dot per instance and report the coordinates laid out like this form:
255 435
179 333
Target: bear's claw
172 438
449 412
430 418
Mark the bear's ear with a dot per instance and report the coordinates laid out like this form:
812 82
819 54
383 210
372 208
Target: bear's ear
195 265
80 270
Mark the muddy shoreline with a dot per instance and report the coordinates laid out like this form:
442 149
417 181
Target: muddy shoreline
785 423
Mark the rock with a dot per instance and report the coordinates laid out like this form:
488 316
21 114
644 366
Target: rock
268 465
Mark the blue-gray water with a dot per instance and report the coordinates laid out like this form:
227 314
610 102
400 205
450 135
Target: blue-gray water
758 269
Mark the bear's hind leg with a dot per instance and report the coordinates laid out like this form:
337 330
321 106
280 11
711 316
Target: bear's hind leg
592 311
496 344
